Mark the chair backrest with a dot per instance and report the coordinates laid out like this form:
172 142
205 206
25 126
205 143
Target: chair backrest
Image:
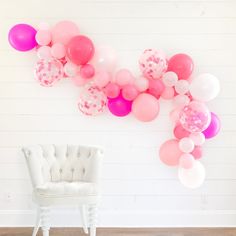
55 163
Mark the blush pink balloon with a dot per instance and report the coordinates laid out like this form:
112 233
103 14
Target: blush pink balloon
197 152
43 37
141 84
170 153
168 93
80 50
180 132
182 65
129 92
124 77
145 107
174 115
156 87
87 71
78 80
102 78
63 31
112 90
186 161
44 52
58 50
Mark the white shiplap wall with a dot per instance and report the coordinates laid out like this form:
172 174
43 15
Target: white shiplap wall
138 189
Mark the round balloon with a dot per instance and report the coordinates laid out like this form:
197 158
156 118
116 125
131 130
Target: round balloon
80 50
195 117
48 72
22 37
92 100
214 128
156 87
153 64
170 153
182 65
193 177
112 90
145 107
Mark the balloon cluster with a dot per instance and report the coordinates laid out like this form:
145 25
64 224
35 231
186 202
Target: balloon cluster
65 53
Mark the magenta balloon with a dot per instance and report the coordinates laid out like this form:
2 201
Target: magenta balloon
213 129
22 37
119 106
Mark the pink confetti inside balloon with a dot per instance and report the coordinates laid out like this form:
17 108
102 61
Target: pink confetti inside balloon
92 100
48 72
195 117
153 63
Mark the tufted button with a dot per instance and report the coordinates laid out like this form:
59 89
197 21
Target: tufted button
60 170
83 170
72 170
78 154
89 154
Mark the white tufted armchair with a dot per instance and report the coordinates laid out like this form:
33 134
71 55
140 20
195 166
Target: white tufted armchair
64 175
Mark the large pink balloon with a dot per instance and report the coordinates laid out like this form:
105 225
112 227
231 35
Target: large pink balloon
182 65
145 107
170 153
63 31
80 50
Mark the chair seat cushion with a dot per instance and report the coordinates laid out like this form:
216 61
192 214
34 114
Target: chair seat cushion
60 189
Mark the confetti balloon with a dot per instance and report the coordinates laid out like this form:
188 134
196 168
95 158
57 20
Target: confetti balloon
48 72
195 117
153 63
92 100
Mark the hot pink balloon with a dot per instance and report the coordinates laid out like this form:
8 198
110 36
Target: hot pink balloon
182 65
80 50
170 153
87 71
129 92
145 107
214 128
156 87
63 31
119 106
180 132
112 90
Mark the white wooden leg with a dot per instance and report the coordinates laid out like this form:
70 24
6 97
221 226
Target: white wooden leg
92 219
37 223
84 217
45 213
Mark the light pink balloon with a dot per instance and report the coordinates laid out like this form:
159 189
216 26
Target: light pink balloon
170 153
79 81
112 90
102 78
174 115
87 71
129 92
63 31
44 52
145 107
186 145
58 50
124 77
71 69
186 161
168 93
43 37
141 84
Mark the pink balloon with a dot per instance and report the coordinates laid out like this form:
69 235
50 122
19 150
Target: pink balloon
156 87
141 84
129 92
170 153
168 93
58 50
124 77
43 37
174 115
197 152
87 71
79 81
180 132
145 107
214 127
182 65
80 50
119 106
63 31
112 90
44 52
102 78
186 161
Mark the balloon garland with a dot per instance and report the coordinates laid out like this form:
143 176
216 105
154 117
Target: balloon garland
63 52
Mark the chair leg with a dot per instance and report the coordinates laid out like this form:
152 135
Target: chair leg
84 216
45 214
92 219
37 223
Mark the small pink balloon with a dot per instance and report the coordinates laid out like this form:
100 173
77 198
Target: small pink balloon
80 49
44 52
112 90
58 50
180 132
186 161
129 92
168 93
182 65
197 152
79 81
43 37
87 71
124 77
156 87
63 31
145 107
170 153
102 78
141 84
174 115
119 106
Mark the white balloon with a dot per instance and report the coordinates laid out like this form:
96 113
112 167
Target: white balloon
205 87
180 101
193 177
182 86
198 138
71 69
170 79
